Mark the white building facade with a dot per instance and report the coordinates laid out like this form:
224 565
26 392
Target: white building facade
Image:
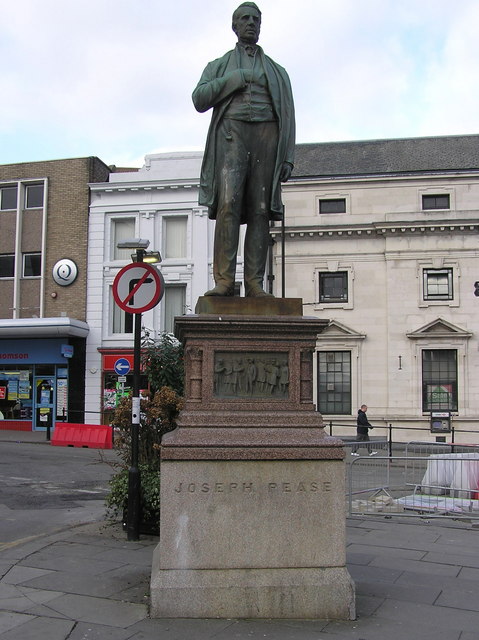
381 238
159 202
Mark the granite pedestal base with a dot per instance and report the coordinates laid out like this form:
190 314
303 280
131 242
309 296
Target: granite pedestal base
252 488
252 539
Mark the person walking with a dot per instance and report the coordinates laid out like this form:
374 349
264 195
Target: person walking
362 431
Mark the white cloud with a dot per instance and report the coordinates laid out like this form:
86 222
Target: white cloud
114 78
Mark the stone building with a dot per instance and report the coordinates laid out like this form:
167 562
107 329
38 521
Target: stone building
43 274
381 238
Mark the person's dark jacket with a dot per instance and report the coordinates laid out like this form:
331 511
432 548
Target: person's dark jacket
362 422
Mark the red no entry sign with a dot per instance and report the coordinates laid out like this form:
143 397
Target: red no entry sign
138 287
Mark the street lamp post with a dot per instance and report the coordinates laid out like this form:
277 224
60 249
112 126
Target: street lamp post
134 478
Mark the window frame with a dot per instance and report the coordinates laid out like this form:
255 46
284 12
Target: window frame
436 197
428 381
330 266
170 219
8 187
332 378
427 273
323 276
330 201
118 315
167 316
120 255
33 254
30 186
12 256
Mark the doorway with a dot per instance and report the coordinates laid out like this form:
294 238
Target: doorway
44 403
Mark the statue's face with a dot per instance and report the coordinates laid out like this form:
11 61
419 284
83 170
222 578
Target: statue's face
247 25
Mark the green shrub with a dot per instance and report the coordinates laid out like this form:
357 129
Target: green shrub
117 499
162 361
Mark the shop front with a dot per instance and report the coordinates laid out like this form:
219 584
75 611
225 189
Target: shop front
117 376
33 383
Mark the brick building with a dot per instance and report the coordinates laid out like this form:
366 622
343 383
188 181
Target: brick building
43 274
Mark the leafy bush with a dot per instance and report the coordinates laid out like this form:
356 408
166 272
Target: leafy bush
157 417
117 499
162 360
163 364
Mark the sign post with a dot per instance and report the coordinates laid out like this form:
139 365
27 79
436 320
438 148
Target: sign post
137 287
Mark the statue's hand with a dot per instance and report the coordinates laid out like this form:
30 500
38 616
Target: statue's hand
285 173
248 75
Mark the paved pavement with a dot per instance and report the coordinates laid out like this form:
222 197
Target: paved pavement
414 580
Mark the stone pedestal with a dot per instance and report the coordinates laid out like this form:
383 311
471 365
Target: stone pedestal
252 488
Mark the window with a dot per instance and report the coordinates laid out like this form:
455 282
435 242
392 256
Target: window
174 305
439 380
334 382
32 265
333 286
33 196
332 205
174 230
438 201
8 197
437 284
121 322
121 229
7 266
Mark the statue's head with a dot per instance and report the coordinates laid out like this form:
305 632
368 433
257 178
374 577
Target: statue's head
247 22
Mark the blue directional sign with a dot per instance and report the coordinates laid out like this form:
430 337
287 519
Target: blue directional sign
122 367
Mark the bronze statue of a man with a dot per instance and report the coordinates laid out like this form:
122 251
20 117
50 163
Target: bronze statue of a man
249 151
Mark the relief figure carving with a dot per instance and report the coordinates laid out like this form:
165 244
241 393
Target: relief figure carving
251 375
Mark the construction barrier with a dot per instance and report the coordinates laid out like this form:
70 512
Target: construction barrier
95 436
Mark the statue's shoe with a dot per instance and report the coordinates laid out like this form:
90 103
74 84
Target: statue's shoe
259 293
220 290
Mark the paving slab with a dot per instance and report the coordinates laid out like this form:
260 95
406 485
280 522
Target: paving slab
19 575
380 629
440 618
4 568
396 552
367 605
408 592
141 556
272 630
402 564
88 631
426 580
404 541
111 613
370 573
455 558
40 629
89 566
467 599
10 620
414 579
359 558
79 584
180 629
466 573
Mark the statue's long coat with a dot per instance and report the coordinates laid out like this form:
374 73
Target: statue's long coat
219 81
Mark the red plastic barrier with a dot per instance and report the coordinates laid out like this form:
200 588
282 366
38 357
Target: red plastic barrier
95 436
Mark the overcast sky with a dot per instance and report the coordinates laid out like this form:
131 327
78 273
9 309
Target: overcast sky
113 78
